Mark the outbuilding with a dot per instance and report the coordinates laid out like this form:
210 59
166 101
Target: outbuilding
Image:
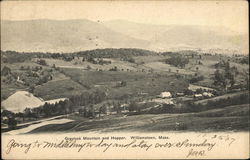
165 95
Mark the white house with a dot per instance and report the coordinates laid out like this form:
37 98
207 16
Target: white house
180 94
198 96
165 95
207 94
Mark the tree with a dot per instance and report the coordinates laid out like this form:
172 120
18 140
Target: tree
132 106
177 61
246 75
244 60
227 76
197 68
123 83
219 79
22 68
31 89
91 112
42 62
7 113
12 122
5 71
20 114
232 80
88 67
85 112
28 113
103 109
47 109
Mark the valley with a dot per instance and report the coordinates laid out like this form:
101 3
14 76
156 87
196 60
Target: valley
125 89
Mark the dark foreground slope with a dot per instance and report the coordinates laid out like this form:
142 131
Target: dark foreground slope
232 118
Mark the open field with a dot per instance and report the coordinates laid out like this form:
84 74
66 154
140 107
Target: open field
228 118
78 64
58 89
163 67
136 82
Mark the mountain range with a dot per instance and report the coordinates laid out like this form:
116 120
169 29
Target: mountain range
81 34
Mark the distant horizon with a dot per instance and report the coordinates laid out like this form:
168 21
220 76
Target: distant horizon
229 14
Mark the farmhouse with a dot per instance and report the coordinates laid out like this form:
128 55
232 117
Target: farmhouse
207 94
198 96
165 95
195 87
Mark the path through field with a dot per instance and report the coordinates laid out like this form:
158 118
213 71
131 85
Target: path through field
37 125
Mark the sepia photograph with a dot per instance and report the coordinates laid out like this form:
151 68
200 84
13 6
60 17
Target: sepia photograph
124 79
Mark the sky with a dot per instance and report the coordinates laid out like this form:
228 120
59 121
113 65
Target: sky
230 14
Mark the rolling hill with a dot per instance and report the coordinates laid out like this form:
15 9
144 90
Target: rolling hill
164 37
62 36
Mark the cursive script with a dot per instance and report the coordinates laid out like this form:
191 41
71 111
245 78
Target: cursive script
195 148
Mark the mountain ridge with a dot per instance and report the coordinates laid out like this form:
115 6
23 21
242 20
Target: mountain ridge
46 35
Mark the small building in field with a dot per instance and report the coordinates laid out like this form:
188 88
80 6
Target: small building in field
180 94
198 96
207 94
165 95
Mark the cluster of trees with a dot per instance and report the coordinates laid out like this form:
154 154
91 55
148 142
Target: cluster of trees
122 53
18 57
88 98
128 59
41 62
7 76
36 76
177 61
28 68
14 57
113 69
222 64
196 78
87 112
96 61
133 106
245 60
225 76
114 53
31 76
5 71
220 103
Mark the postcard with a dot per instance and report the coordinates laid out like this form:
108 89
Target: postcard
124 80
